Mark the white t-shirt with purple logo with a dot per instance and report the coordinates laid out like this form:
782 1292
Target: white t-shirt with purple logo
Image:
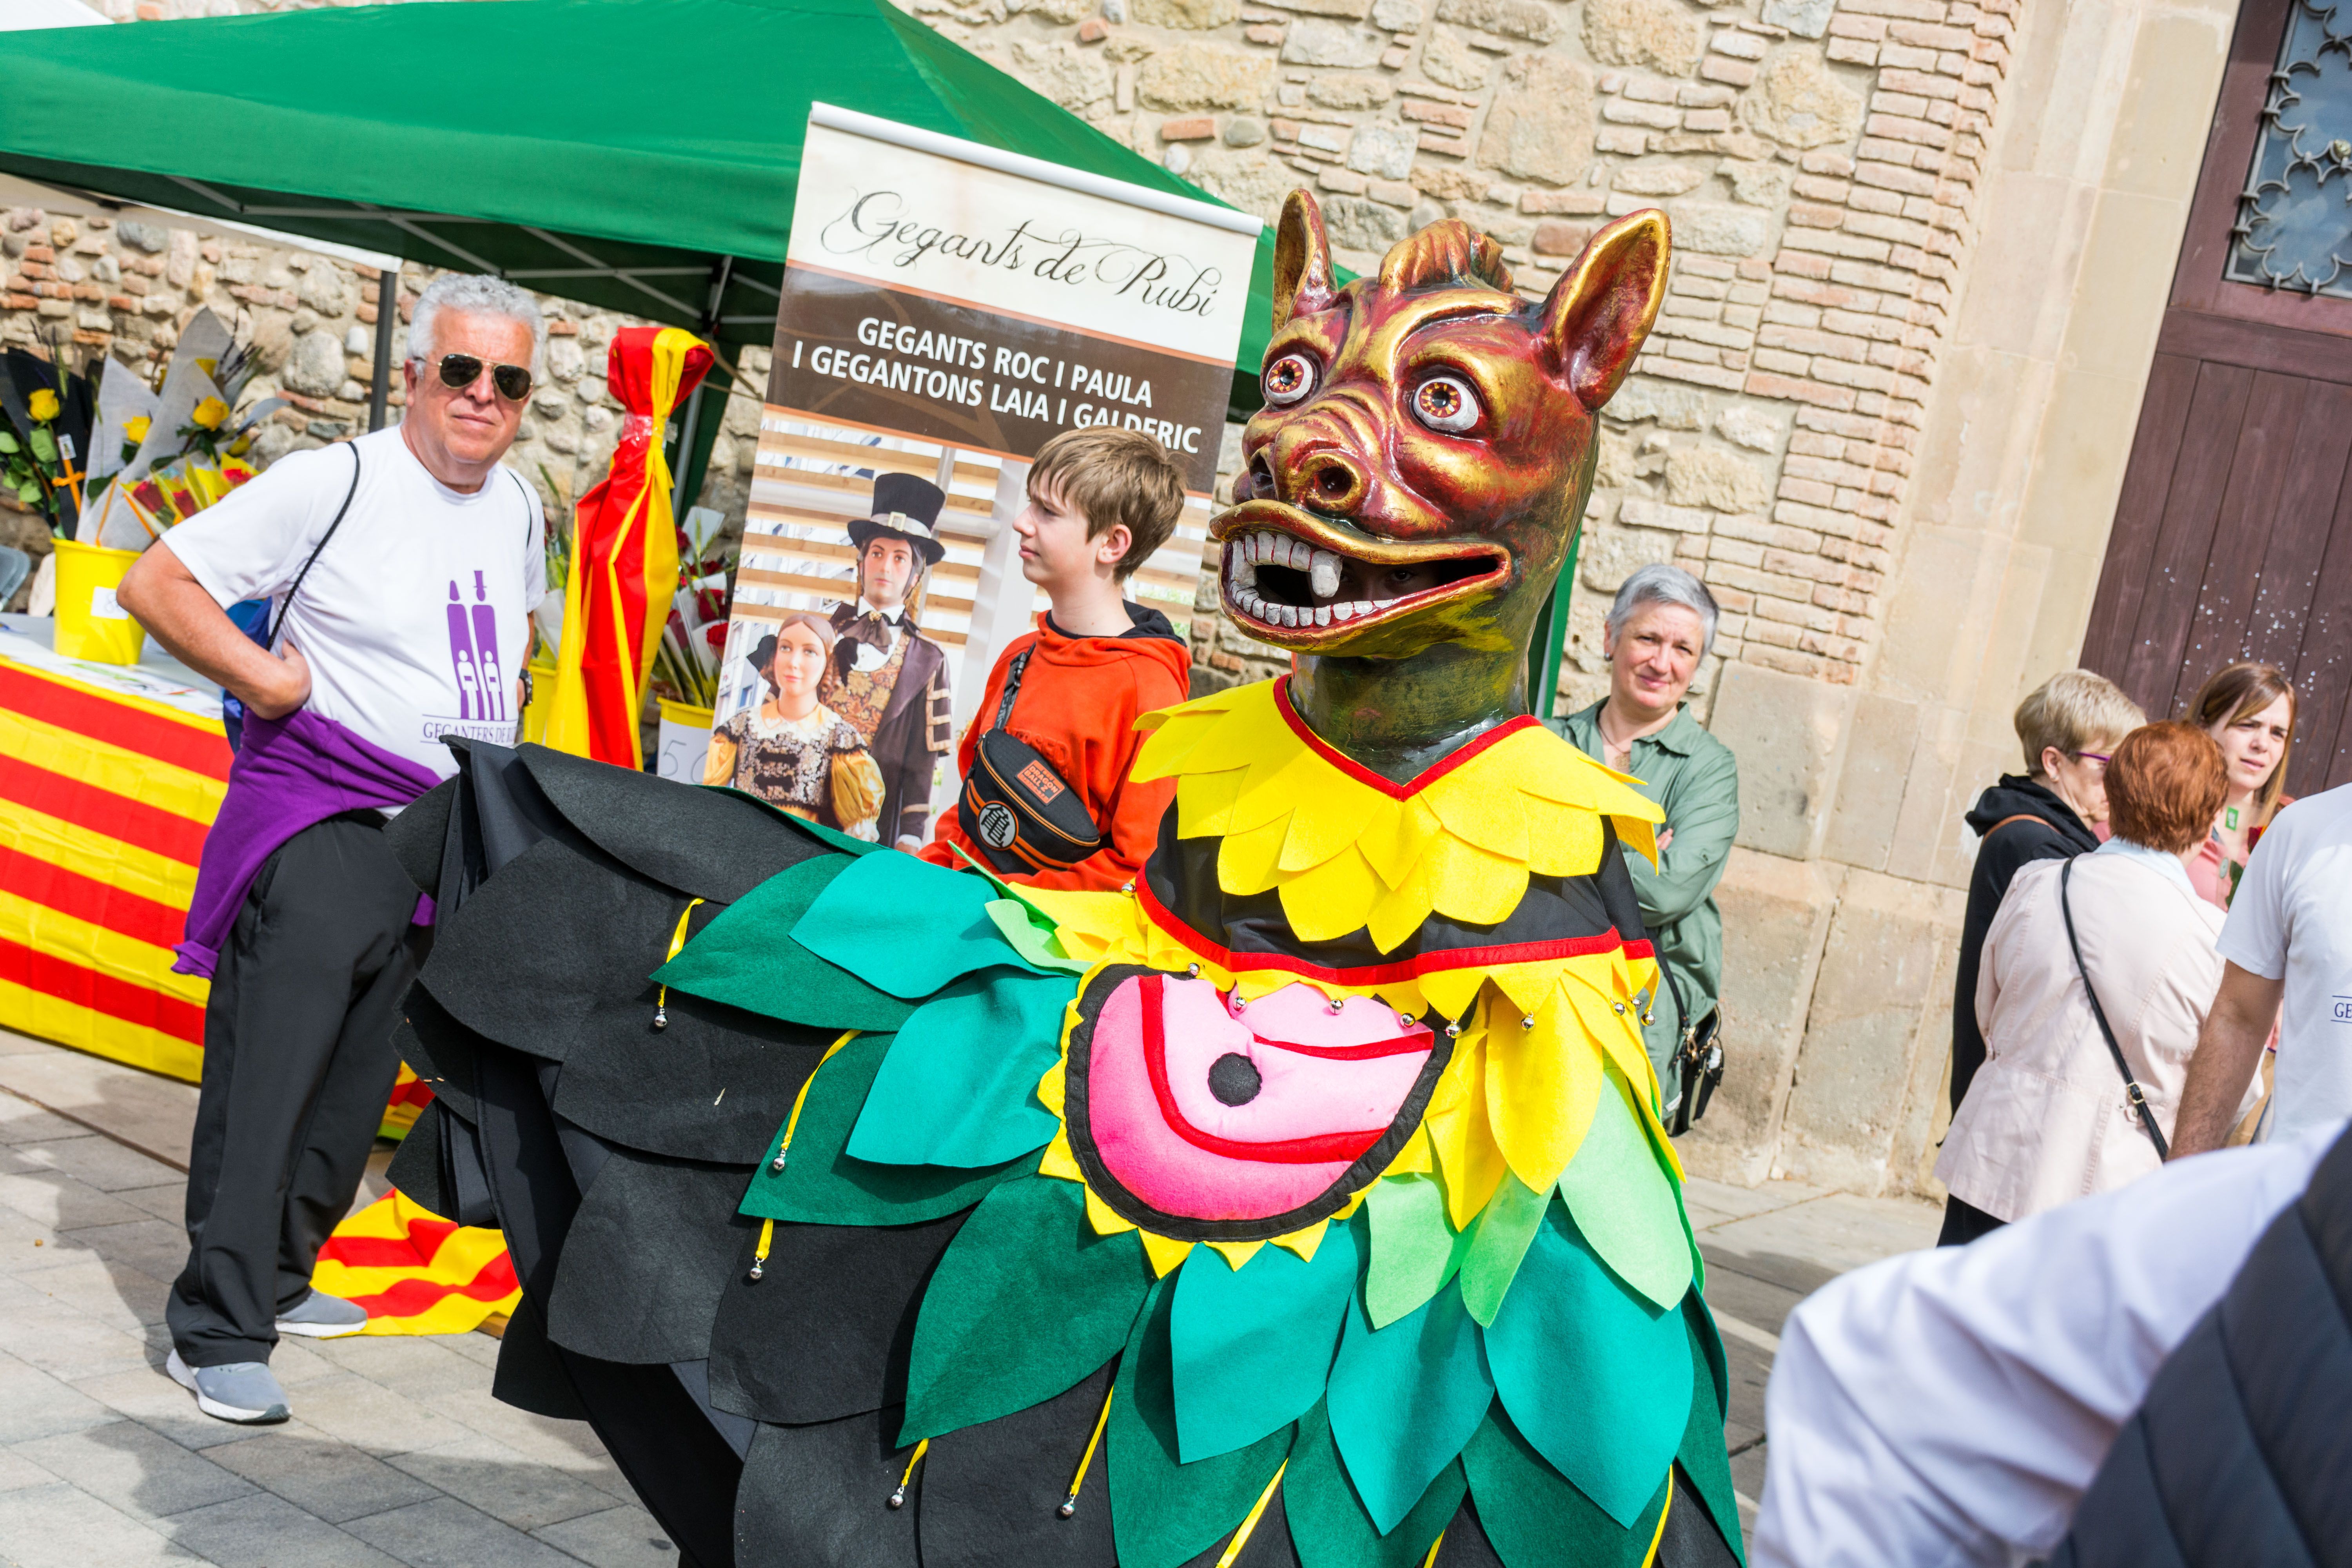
415 618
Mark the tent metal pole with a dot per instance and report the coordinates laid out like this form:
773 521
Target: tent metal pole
387 312
691 424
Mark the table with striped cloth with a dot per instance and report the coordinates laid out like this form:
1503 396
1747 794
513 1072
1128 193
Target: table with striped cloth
110 778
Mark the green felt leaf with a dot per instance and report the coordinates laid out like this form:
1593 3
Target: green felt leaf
1597 1378
823 1183
905 925
1004 889
1405 1398
1018 924
1501 1235
1702 1454
746 958
1330 1524
1535 1519
1027 1300
1163 1511
958 1087
1413 1251
1626 1203
1252 1346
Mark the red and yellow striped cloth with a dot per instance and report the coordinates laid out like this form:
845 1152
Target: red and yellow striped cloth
105 797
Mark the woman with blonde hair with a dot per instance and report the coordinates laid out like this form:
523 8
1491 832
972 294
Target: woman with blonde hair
2249 709
792 751
2096 977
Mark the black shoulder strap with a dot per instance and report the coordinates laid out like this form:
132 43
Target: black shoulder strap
280 626
1013 685
2132 1089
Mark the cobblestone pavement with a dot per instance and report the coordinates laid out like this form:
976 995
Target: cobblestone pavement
397 1454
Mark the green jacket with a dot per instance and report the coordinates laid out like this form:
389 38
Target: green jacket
1696 779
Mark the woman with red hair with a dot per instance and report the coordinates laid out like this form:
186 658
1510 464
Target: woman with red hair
2096 977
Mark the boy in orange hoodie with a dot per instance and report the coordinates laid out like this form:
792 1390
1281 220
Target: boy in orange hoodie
1100 501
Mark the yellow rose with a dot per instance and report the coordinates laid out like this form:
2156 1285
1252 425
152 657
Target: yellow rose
44 404
209 414
135 431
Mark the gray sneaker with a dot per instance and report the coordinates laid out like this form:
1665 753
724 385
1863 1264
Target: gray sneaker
323 1317
243 1391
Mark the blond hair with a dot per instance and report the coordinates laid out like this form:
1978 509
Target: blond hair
1114 476
2074 712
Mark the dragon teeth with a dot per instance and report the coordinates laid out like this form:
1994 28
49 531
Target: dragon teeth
1323 571
1322 615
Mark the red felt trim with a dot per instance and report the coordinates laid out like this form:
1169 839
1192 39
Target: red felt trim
1329 1148
87 899
1642 949
117 998
103 811
1419 1040
1382 973
1390 788
198 748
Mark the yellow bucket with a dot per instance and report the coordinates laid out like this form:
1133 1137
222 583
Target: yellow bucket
91 625
683 742
542 702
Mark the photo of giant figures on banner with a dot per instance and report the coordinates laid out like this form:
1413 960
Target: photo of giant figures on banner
947 309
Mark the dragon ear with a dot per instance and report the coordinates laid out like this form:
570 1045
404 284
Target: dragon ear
1602 308
1302 260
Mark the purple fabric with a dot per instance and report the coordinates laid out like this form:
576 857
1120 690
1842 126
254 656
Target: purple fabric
290 773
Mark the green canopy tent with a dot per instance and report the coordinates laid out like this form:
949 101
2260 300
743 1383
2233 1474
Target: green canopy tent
635 155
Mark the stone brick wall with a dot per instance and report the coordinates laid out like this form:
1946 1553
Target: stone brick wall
126 288
1819 164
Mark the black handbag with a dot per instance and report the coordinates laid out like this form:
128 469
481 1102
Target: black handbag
2132 1090
1698 1058
1015 806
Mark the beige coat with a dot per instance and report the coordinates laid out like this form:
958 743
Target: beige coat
2046 1120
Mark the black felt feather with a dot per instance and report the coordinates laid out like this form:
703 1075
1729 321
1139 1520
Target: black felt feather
992 1493
818 1497
646 1258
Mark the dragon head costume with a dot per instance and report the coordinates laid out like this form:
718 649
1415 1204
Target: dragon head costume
1304 1203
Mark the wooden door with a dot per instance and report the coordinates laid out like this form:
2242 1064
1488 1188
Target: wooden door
2233 538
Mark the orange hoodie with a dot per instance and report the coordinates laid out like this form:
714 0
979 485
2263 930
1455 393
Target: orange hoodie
1078 702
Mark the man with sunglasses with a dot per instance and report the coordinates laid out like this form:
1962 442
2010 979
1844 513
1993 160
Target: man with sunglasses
402 568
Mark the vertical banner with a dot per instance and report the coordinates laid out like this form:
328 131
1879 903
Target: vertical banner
947 309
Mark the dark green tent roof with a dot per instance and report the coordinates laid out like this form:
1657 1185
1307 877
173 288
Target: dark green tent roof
629 155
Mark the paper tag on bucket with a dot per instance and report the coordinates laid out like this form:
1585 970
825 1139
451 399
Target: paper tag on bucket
102 606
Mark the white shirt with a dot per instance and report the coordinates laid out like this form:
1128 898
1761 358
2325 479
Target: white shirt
413 618
2163 864
1948 1407
2292 919
866 656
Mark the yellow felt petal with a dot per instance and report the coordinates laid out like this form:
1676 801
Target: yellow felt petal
1452 991
1245 860
1100 1215
1395 842
1204 802
1413 1158
1640 834
1235 1253
1332 899
1526 984
1542 1086
1472 884
1059 1162
1316 835
1165 1254
1303 1242
1251 729
1472 808
1051 1088
1171 736
1562 840
1276 785
1397 912
1469 1159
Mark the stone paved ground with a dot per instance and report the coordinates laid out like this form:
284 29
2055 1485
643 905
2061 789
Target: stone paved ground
397 1454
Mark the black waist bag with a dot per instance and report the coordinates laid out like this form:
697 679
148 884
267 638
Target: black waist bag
1020 812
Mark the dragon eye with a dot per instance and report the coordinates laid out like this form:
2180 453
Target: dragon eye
1288 379
1446 403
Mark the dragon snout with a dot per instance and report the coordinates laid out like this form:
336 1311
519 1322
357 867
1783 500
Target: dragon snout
1315 476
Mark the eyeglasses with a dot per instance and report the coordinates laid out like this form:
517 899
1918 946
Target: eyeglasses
459 372
2102 758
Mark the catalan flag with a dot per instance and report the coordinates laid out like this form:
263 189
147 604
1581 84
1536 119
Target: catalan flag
415 1272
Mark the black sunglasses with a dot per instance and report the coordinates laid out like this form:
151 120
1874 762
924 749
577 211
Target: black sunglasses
459 372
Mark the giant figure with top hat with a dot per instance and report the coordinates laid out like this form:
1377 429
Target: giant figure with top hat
1305 1202
886 678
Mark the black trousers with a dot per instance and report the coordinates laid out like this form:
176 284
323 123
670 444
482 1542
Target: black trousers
297 1061
1964 1222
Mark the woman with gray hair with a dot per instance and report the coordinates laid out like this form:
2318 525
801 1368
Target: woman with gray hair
1658 629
